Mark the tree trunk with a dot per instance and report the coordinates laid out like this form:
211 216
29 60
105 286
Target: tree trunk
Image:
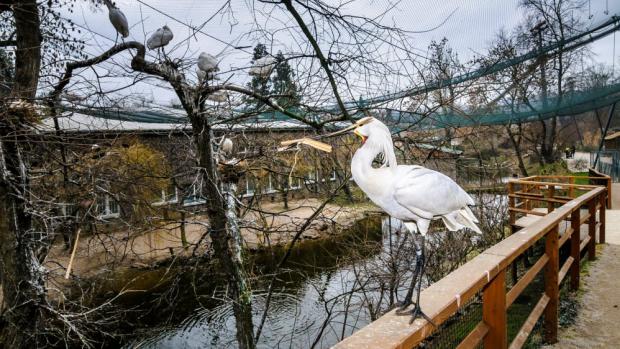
224 232
517 146
547 147
21 274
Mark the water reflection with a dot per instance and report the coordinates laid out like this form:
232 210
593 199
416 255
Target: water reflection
330 289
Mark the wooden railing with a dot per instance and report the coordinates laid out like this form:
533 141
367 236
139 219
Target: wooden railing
544 205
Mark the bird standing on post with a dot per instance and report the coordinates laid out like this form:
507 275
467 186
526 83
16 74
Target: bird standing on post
414 194
118 19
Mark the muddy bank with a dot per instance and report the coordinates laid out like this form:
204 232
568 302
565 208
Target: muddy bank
159 303
124 248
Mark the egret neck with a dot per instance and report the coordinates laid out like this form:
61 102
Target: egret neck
373 181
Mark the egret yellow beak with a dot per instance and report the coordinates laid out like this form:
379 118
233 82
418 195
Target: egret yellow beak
357 133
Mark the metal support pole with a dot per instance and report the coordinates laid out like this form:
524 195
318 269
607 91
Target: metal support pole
600 147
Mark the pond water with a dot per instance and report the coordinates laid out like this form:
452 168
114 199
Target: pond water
330 288
307 309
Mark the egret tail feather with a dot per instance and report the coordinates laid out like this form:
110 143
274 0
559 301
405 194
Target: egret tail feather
465 218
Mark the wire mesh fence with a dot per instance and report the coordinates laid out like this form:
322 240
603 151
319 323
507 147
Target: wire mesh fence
455 329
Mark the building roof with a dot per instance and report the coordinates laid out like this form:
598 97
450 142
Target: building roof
78 122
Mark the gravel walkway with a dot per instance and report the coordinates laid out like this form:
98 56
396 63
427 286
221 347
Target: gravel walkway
597 324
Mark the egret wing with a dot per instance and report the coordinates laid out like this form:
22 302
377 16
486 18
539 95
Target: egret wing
420 189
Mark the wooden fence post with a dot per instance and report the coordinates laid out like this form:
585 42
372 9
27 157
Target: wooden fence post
609 193
575 241
551 286
550 195
592 229
512 202
602 217
571 189
494 312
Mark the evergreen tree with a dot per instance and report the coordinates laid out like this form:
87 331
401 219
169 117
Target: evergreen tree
260 85
280 82
283 83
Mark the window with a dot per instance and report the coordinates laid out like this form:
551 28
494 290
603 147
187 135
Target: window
270 189
168 196
250 187
294 183
334 176
195 197
312 176
107 207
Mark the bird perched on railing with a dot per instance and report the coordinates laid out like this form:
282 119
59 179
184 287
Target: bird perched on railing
160 38
262 67
414 194
118 19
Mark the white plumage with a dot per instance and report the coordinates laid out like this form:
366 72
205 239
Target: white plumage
202 75
263 66
218 96
227 146
118 19
207 62
413 194
160 38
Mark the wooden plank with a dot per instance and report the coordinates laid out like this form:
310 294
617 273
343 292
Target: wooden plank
584 243
557 184
565 268
527 278
549 198
551 286
565 236
527 194
530 322
523 210
596 176
592 229
512 202
575 250
537 198
494 312
585 218
474 337
602 218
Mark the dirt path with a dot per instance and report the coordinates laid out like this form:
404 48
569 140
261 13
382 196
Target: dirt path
599 315
123 248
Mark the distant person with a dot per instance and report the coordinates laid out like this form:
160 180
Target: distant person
572 151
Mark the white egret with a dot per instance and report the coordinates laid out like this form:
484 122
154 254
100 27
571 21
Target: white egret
218 96
227 146
118 19
263 66
160 38
414 194
202 75
207 63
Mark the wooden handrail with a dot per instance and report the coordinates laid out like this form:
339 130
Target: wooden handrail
486 274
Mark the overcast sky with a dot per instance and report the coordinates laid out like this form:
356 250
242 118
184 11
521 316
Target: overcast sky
469 25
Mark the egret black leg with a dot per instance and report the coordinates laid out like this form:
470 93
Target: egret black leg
409 296
420 267
408 300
